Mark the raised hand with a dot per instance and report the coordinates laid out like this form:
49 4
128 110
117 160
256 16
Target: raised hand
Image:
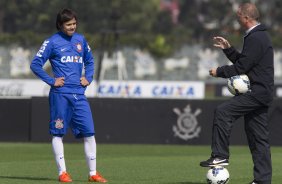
221 42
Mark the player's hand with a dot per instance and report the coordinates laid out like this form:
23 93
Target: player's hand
213 72
59 82
221 42
84 81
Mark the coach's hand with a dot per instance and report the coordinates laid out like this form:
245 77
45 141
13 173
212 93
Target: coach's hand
213 72
84 81
59 82
221 42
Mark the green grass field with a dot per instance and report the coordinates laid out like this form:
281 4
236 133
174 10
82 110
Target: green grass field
24 163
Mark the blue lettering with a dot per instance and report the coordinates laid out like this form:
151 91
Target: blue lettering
190 91
100 90
154 91
137 91
111 90
166 90
119 89
127 89
163 91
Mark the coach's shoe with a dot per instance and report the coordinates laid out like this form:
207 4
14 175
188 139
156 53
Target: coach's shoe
214 161
65 177
97 178
253 182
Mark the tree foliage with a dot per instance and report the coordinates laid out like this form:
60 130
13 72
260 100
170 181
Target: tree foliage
140 23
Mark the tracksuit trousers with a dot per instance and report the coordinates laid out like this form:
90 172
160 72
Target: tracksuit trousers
256 128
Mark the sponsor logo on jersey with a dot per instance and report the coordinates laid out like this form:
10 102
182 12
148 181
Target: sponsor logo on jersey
71 59
63 49
79 47
59 123
42 48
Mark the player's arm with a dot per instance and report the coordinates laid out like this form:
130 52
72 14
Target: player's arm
88 65
221 42
231 53
39 60
250 56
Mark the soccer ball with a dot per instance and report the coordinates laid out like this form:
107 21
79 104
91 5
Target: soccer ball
217 175
238 84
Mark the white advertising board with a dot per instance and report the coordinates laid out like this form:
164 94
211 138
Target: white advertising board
111 89
29 88
152 89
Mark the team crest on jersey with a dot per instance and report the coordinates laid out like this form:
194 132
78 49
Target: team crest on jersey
59 123
187 124
79 47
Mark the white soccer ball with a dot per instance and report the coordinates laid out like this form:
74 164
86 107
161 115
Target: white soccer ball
238 84
217 175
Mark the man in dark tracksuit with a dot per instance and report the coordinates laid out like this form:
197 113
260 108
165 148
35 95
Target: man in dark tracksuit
256 61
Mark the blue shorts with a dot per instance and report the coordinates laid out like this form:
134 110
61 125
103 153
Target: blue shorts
70 110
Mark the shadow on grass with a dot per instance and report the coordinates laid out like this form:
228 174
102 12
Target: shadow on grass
32 178
52 179
28 178
187 182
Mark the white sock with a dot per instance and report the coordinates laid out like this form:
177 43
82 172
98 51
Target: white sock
58 150
90 154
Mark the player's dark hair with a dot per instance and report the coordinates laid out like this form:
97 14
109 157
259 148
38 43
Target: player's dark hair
63 16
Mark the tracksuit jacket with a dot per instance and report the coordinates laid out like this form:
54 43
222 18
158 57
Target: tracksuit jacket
256 61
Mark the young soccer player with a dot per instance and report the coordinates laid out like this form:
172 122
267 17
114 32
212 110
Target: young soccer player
68 53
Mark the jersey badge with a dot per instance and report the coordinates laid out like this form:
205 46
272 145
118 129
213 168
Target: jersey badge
59 123
79 47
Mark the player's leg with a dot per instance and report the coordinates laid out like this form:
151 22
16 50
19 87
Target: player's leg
59 118
224 117
90 154
58 150
221 130
256 127
82 122
83 126
61 111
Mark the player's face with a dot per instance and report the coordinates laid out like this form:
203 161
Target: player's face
69 27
